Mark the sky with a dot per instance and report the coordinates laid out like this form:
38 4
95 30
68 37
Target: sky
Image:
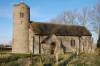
41 10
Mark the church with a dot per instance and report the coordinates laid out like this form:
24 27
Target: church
46 38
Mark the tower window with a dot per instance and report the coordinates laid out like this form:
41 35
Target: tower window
21 15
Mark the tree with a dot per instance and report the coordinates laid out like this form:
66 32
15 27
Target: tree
83 16
95 18
88 17
98 42
98 18
66 17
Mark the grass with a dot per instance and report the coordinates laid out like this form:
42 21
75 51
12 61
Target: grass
15 59
86 60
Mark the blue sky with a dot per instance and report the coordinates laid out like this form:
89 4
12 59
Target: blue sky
41 10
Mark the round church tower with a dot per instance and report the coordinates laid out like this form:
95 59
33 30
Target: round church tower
21 19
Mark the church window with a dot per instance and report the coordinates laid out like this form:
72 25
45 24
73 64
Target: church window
21 15
73 43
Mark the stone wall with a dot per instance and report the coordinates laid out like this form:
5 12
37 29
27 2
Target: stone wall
21 29
31 40
66 41
86 44
82 44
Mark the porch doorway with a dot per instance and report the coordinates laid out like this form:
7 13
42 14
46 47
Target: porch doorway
53 45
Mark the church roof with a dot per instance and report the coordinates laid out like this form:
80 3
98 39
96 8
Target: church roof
59 29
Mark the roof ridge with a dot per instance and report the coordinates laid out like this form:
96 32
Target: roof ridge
55 23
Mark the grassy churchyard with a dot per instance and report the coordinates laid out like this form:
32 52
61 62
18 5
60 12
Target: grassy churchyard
68 59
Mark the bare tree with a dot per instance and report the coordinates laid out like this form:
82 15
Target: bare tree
83 16
98 42
97 19
67 17
94 16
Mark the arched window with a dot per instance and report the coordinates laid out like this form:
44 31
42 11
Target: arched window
73 43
